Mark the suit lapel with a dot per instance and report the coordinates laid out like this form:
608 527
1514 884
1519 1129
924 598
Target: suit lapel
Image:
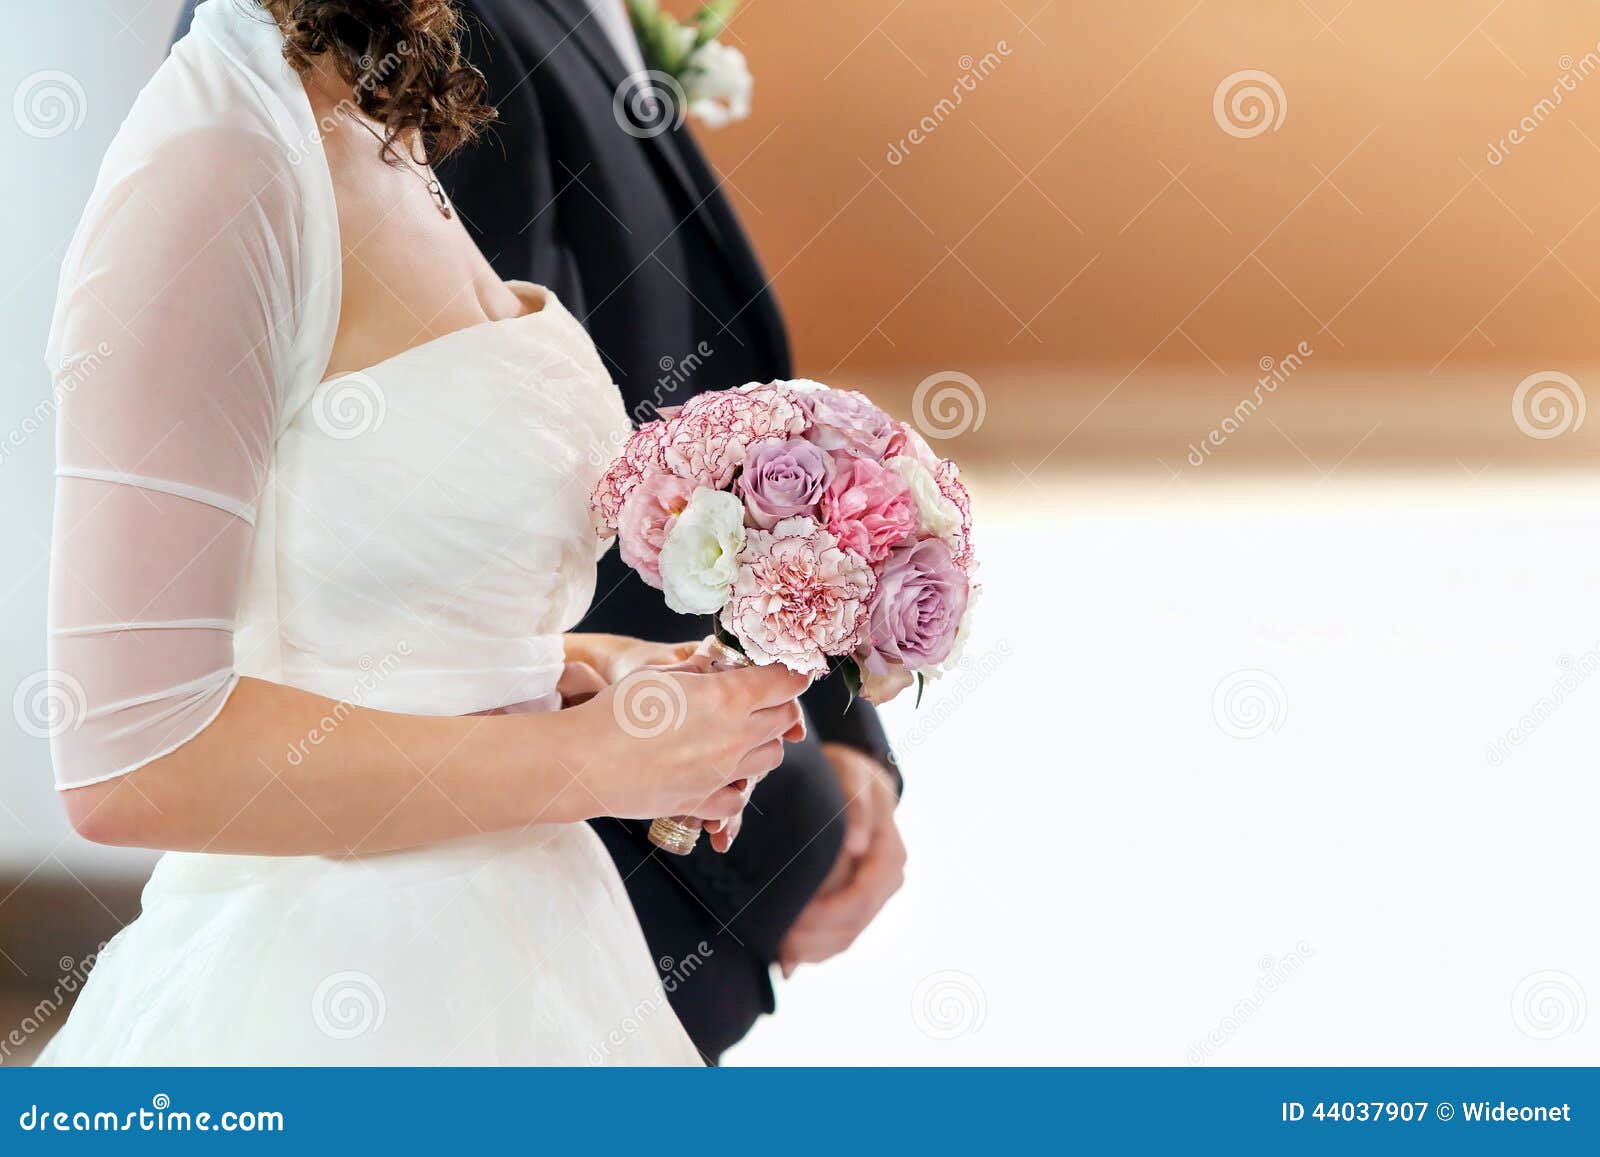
681 156
592 40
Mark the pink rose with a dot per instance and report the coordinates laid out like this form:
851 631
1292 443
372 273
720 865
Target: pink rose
868 507
648 514
914 445
708 439
798 597
847 420
913 618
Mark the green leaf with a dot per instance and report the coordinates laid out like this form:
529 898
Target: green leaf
712 18
922 682
659 42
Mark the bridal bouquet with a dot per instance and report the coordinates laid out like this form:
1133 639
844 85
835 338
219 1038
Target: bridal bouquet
815 527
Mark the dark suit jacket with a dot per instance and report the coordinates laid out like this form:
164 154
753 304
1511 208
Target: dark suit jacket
635 236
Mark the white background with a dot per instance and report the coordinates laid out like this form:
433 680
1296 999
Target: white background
1101 873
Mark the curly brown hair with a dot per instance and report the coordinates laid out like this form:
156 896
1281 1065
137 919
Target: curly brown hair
401 58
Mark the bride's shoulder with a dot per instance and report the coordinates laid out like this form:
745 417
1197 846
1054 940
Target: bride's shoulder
202 116
224 101
203 139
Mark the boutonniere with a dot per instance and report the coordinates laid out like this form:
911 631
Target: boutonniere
705 78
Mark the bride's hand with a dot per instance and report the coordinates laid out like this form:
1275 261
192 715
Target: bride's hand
623 656
579 683
678 742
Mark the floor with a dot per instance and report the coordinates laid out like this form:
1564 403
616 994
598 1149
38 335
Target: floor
1282 771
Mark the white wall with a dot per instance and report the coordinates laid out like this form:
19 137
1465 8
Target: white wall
81 62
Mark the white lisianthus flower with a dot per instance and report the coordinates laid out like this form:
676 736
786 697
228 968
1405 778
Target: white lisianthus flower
700 556
936 514
718 84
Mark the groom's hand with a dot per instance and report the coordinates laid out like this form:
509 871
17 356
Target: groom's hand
870 868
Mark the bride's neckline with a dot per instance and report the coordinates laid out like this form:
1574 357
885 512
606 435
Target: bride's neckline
537 301
534 299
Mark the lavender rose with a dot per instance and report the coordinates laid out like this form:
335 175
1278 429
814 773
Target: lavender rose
781 480
913 617
847 420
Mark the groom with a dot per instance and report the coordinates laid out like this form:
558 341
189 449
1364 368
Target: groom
633 233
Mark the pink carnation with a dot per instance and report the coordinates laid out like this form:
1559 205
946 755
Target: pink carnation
867 506
641 454
647 517
707 440
948 476
798 596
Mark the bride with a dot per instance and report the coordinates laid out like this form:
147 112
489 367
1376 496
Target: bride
321 522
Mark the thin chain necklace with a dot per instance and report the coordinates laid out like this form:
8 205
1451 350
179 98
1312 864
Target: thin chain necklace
423 173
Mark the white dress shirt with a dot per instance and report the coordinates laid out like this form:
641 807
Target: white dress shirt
612 16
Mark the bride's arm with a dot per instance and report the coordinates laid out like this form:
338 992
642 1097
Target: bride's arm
283 772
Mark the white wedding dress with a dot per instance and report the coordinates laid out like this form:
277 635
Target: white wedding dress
412 538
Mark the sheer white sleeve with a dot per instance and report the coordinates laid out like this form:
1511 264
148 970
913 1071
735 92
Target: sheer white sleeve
170 345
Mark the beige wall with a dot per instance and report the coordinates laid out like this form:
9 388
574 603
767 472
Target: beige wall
1370 223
